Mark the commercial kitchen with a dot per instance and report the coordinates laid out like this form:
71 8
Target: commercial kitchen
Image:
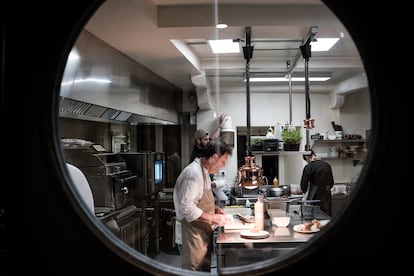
120 121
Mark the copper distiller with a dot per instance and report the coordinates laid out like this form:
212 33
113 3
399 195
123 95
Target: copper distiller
250 177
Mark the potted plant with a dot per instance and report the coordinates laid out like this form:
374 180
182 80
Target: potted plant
257 144
291 138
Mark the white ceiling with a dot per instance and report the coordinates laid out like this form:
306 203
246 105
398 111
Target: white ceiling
144 29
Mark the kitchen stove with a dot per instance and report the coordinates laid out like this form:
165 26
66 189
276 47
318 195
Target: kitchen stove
114 189
112 184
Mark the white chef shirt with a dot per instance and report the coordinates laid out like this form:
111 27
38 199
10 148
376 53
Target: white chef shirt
189 189
82 185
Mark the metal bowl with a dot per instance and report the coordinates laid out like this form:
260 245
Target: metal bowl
276 191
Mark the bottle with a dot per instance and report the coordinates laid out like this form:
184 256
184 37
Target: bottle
278 135
275 182
269 133
259 213
278 131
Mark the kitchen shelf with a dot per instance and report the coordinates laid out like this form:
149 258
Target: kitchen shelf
339 158
280 152
355 161
341 143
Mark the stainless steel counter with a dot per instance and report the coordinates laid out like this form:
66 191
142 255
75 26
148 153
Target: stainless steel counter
276 235
234 250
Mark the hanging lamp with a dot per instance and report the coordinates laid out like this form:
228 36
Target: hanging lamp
250 175
306 54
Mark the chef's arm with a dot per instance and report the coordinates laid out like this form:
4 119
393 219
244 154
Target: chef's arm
304 181
215 219
222 121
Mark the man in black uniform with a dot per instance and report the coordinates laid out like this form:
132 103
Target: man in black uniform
318 178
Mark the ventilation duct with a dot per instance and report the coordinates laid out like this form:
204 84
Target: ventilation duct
203 98
203 91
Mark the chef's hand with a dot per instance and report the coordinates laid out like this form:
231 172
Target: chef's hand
220 219
222 120
219 210
216 219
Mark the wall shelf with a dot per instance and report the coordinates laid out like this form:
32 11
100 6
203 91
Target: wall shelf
344 153
280 152
361 141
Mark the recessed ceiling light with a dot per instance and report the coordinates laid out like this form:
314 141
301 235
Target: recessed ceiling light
221 25
323 44
224 46
282 79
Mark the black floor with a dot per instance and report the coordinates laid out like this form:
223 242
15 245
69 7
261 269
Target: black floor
175 260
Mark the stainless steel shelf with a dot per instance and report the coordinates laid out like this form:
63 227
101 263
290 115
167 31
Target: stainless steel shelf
281 152
341 141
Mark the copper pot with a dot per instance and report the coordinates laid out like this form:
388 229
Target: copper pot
250 175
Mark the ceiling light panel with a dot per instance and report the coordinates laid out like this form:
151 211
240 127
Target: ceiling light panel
224 46
323 44
282 79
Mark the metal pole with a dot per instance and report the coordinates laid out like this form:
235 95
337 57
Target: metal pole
290 92
248 123
248 54
306 53
308 115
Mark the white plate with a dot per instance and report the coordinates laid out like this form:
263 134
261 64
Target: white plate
296 196
324 222
254 234
301 229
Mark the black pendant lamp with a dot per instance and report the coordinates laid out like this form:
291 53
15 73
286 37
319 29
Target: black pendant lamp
248 54
306 54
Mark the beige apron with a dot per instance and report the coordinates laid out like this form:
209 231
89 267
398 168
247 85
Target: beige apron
197 237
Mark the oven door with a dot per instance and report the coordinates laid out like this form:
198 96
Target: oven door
123 189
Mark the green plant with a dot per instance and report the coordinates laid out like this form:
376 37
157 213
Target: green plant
291 135
256 141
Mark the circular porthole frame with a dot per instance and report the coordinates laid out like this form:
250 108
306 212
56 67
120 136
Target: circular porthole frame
100 245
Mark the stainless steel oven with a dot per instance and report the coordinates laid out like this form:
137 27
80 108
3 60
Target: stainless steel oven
150 169
112 184
129 224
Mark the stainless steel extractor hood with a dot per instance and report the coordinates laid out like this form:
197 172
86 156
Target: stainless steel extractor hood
101 84
85 111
